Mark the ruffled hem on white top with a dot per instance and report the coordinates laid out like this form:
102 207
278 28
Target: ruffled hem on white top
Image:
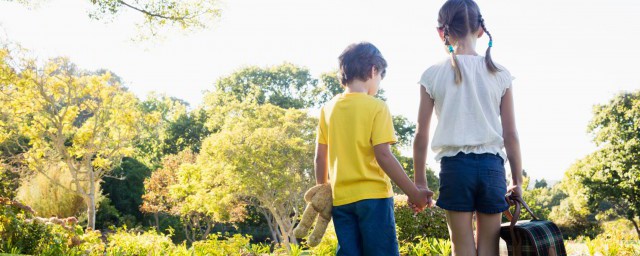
482 149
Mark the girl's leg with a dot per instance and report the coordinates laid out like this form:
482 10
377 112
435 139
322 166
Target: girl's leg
488 233
461 233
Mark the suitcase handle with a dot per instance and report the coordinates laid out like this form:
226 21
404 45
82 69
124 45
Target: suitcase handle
518 202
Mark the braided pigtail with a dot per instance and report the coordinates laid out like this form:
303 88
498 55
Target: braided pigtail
487 58
454 59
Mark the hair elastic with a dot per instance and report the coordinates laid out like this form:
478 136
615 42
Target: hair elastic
490 43
450 48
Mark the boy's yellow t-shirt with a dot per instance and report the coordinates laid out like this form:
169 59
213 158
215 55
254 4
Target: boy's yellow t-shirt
350 125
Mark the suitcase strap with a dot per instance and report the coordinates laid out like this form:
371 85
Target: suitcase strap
518 202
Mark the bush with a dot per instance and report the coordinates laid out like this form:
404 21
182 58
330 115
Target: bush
426 246
216 246
124 242
49 199
21 233
430 223
329 243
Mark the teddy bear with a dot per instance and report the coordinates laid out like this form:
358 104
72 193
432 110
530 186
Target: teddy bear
319 203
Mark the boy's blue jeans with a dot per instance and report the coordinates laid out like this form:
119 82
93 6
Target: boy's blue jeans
366 227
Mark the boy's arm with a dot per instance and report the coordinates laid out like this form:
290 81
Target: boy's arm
394 170
511 140
322 175
421 141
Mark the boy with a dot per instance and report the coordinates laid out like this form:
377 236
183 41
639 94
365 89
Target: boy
354 134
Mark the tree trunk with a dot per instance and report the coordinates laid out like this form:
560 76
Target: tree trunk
91 211
186 231
272 227
209 226
284 236
635 224
155 215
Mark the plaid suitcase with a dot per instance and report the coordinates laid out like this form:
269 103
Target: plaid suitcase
530 237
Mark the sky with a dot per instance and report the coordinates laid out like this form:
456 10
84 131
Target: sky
566 55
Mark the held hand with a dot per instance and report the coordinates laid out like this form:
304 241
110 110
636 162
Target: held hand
430 202
423 199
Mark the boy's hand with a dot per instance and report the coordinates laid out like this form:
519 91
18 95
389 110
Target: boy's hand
422 200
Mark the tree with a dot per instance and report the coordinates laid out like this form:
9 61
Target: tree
572 214
330 87
540 183
286 85
10 140
124 187
615 176
157 15
83 122
205 199
172 129
265 154
157 199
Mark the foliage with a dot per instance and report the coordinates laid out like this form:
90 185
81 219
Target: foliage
405 130
407 164
156 16
82 122
125 187
614 175
286 86
329 243
9 182
618 238
264 153
216 246
107 216
20 234
424 246
172 129
203 198
329 87
157 198
540 183
573 215
124 242
47 198
10 139
541 200
429 223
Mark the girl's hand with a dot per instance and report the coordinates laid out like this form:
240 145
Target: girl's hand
514 190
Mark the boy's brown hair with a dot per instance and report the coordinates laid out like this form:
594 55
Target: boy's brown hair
356 62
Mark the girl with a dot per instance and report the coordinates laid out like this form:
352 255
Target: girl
473 100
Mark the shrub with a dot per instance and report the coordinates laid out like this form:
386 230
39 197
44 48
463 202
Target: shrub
124 242
49 199
329 243
424 246
215 245
21 233
618 238
430 223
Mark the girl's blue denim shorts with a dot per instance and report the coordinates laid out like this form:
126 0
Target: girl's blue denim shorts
473 182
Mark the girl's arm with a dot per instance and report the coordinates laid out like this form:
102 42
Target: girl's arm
322 175
511 140
421 141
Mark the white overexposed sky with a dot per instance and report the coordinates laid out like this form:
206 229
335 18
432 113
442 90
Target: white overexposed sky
566 55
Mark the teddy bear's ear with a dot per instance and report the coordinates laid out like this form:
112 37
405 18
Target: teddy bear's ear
311 192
